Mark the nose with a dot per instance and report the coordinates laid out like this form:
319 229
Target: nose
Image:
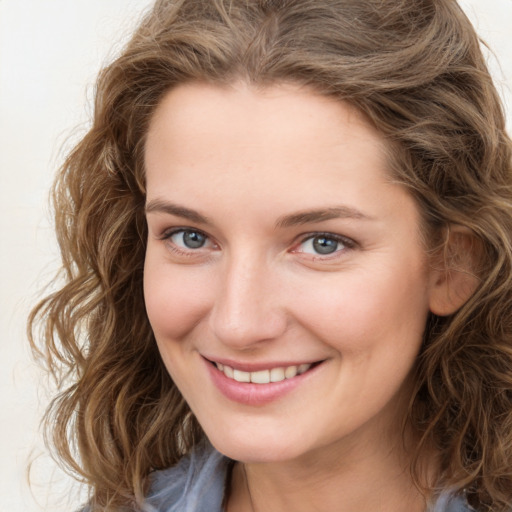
248 309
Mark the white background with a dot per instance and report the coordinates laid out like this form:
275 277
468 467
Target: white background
50 52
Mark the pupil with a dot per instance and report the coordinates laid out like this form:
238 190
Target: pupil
323 245
193 239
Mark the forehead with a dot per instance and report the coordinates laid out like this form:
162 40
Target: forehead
282 125
193 103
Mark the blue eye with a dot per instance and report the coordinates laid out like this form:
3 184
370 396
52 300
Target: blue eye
188 239
322 245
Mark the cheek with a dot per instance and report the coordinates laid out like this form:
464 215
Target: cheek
366 312
175 300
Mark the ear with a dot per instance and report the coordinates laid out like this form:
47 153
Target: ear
453 275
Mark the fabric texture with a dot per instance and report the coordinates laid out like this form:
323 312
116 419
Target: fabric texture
197 483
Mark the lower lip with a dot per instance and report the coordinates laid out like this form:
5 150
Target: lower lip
256 394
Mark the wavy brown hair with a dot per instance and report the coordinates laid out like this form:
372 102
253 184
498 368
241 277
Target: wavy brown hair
416 70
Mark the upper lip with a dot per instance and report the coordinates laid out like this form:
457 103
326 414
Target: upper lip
259 365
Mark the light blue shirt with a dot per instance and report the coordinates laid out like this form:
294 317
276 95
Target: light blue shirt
197 483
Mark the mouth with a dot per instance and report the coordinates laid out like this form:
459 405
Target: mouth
257 384
265 376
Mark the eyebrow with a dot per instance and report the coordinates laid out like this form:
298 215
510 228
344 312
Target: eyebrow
160 206
322 214
294 219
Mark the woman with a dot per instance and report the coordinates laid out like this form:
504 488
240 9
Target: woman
287 248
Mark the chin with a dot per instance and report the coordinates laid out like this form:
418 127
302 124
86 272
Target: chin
251 448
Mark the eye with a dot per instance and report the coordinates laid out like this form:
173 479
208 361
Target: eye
188 239
323 244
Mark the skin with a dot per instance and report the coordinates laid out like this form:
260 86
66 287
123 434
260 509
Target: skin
231 164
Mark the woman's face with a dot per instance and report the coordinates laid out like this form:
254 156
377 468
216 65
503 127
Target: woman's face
280 253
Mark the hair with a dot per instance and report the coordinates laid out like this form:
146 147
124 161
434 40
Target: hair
416 70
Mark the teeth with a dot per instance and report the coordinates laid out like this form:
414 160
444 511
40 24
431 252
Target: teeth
303 368
290 372
277 374
240 376
263 376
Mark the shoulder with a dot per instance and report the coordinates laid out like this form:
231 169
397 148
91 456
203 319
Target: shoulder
195 484
449 503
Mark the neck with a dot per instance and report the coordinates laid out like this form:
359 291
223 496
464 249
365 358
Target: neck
352 479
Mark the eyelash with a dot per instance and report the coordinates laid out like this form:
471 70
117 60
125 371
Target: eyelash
347 243
167 236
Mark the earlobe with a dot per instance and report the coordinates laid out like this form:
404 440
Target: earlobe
454 269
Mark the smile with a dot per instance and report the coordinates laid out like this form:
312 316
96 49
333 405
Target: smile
257 384
264 376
